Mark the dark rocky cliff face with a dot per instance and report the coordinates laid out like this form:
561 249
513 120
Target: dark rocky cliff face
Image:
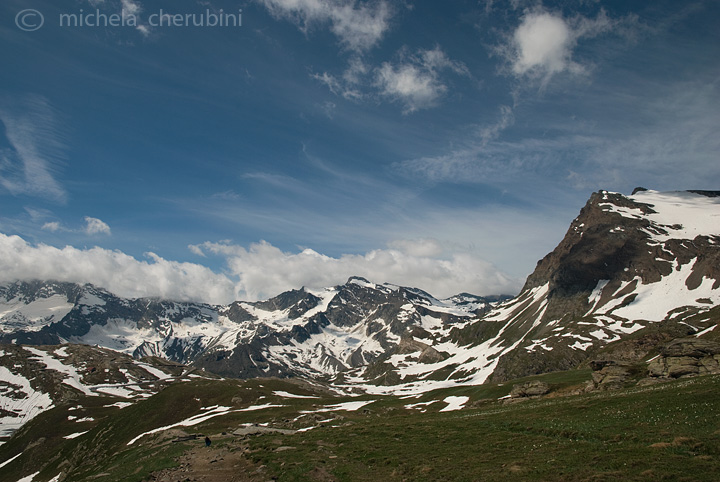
604 245
614 252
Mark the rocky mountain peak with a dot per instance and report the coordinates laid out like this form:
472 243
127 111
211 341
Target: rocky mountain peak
627 263
617 239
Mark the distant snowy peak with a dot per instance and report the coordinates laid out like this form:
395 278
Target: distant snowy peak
320 333
30 306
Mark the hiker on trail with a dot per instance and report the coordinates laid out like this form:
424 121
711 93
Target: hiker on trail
207 441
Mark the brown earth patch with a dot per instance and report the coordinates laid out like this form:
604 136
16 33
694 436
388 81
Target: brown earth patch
224 463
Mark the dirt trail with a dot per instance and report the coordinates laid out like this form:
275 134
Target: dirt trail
226 462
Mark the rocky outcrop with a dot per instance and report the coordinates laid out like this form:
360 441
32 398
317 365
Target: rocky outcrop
686 357
426 353
529 389
610 374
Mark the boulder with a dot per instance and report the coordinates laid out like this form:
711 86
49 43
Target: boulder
529 389
610 374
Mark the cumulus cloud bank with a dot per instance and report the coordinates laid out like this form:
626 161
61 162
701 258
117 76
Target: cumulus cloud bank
263 269
257 272
113 270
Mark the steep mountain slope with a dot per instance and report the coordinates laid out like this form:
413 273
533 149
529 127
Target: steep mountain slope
645 266
36 379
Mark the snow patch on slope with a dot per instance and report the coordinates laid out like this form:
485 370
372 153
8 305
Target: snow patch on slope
17 314
19 397
655 301
684 214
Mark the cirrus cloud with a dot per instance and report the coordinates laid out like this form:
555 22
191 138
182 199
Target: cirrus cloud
37 149
358 25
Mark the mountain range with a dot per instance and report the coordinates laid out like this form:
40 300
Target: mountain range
631 274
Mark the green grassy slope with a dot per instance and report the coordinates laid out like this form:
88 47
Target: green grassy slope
664 432
669 431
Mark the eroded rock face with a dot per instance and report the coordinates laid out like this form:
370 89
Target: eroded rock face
610 374
686 357
530 389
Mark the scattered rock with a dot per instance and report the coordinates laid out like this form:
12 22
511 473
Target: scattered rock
257 429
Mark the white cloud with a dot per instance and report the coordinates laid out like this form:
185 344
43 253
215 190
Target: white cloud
410 85
358 25
130 8
258 272
113 270
415 81
542 45
418 247
95 226
52 226
130 11
263 270
196 250
37 147
542 42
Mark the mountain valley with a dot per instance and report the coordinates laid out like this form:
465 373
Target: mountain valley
630 298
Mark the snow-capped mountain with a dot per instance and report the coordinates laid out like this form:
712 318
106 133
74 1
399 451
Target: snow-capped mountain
631 272
298 333
34 379
644 267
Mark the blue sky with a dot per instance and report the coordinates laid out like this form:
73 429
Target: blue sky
444 145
